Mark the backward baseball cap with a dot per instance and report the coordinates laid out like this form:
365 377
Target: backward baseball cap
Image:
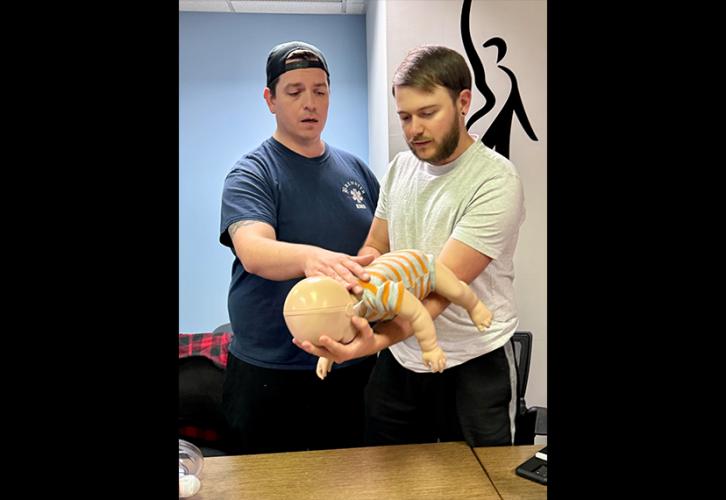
276 64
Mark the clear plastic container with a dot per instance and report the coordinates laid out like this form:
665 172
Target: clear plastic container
191 463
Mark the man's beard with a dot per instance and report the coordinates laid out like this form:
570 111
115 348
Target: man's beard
447 147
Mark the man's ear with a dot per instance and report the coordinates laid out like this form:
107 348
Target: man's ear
464 101
267 94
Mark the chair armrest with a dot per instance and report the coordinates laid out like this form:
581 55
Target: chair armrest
530 423
540 422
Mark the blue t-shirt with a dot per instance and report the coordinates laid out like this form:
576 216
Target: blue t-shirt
327 201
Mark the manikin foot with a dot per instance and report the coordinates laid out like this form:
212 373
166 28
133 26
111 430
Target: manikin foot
481 316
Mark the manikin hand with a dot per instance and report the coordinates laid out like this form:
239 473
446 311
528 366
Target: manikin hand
323 368
363 344
339 266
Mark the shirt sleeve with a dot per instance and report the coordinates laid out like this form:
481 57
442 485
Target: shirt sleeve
382 206
493 216
248 194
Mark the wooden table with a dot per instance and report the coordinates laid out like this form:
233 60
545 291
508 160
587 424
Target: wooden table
499 462
421 471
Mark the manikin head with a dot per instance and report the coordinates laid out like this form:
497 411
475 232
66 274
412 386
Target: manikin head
320 305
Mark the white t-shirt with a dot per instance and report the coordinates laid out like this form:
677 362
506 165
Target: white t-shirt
478 200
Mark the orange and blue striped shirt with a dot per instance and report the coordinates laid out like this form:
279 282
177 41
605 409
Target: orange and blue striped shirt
391 274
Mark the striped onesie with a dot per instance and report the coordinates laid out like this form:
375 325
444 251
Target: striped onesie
391 274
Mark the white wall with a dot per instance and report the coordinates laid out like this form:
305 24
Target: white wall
378 87
522 24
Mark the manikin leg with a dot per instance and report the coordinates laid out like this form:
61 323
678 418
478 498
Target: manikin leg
457 292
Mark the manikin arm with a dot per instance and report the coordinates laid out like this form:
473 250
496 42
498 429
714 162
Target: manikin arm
323 368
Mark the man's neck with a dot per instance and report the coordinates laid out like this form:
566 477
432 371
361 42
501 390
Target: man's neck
308 149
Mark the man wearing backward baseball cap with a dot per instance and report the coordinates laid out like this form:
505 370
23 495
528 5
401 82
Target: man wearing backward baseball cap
293 207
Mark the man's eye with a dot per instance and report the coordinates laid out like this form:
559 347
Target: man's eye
293 94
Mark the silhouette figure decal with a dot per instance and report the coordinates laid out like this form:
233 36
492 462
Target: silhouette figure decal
499 132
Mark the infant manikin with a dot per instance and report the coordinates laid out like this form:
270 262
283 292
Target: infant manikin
398 282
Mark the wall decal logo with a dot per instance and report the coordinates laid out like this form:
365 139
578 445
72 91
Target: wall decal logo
497 136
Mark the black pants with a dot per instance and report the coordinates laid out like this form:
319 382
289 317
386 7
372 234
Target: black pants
271 410
471 402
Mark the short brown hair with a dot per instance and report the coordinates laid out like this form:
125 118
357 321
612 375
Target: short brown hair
427 66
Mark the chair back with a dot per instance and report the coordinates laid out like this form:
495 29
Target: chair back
225 328
522 345
527 420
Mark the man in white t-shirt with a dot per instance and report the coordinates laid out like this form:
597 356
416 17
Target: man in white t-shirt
451 196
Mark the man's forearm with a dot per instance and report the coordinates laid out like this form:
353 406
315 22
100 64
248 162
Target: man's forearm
275 260
369 250
377 242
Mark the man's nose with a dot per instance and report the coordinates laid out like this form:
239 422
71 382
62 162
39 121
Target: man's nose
416 126
309 101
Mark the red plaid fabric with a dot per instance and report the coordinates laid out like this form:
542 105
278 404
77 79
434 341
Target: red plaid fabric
194 433
213 346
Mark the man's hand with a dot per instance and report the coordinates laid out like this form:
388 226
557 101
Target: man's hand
339 266
363 344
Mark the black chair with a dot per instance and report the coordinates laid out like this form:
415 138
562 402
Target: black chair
227 327
528 421
201 419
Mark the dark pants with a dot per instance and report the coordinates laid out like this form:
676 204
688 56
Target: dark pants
470 402
272 410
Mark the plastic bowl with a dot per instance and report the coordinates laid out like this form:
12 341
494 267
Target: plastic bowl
191 463
191 460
